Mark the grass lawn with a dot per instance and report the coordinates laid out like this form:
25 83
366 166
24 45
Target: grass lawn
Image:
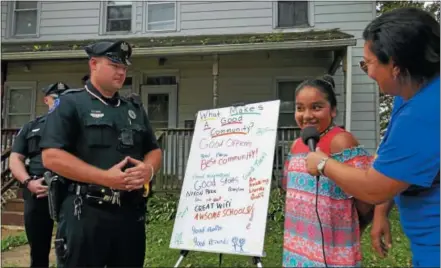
160 255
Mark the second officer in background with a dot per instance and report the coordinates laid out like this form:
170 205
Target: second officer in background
38 223
104 147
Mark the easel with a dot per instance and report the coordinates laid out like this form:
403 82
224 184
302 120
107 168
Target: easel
256 260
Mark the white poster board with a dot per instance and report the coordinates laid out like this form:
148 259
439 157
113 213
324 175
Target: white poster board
225 194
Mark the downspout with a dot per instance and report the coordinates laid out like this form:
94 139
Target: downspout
348 87
215 79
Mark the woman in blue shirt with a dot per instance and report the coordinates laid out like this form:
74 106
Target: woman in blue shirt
402 54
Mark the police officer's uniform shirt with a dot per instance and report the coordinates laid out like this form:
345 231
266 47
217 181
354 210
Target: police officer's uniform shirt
101 134
27 142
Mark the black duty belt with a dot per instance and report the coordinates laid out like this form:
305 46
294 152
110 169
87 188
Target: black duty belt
106 197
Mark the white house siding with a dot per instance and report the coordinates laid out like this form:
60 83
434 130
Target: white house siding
352 18
4 9
75 20
72 20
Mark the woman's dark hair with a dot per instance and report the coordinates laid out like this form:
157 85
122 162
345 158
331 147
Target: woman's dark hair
409 37
326 86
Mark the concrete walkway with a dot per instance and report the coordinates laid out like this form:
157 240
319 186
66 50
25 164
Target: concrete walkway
19 257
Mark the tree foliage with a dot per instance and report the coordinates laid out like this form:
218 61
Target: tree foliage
386 101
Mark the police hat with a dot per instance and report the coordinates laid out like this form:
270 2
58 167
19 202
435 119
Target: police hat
56 88
118 52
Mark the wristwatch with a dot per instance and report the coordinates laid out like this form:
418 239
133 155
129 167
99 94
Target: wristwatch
26 182
321 165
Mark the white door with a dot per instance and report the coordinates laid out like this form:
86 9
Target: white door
161 106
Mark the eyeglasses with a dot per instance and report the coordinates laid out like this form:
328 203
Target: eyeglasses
363 66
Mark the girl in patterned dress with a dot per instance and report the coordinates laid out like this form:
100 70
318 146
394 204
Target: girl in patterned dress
342 217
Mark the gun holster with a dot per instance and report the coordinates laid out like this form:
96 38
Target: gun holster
54 194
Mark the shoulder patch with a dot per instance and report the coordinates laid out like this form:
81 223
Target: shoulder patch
54 106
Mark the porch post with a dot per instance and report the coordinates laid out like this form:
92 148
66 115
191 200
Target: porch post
347 65
215 79
4 65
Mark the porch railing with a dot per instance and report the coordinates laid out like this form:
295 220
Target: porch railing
176 144
8 136
7 180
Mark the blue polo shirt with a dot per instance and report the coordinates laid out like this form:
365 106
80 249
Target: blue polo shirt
410 152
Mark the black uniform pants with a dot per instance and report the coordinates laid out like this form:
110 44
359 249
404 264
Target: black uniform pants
100 237
38 226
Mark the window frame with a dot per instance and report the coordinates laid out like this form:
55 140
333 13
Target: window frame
127 89
310 15
279 80
104 19
8 86
176 27
13 25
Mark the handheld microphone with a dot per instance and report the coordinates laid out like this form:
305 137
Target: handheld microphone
310 136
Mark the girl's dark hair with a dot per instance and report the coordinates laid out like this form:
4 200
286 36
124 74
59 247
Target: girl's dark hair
325 84
409 37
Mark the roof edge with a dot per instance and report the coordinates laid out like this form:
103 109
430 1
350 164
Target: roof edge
194 49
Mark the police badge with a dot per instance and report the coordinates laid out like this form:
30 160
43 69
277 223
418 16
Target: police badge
60 86
132 114
124 47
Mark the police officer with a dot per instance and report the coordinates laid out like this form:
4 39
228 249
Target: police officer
38 224
104 147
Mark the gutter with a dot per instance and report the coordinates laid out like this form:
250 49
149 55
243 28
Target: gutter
186 50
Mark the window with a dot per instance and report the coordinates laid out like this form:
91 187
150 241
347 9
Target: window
286 94
119 16
161 16
161 80
127 87
158 110
20 103
292 14
25 17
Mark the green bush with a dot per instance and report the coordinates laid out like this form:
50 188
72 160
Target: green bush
162 208
276 206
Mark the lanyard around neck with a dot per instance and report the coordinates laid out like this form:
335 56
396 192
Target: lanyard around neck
99 98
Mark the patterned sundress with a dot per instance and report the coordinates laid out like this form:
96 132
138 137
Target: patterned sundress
302 245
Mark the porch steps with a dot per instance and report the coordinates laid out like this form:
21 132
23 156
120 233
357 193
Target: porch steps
14 218
13 209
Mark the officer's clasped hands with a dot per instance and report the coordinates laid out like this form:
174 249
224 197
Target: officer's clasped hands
130 179
137 175
37 187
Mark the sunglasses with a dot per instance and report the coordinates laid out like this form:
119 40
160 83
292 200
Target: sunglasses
363 66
